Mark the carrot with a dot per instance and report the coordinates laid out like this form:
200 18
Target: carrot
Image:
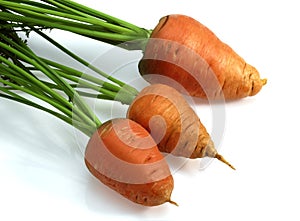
123 156
172 122
179 47
186 51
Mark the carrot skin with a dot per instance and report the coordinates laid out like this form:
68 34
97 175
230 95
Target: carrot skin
123 156
186 51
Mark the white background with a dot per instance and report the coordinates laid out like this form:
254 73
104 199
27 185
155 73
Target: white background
42 174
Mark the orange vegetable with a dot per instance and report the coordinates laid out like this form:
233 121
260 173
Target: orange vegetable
172 122
186 51
123 156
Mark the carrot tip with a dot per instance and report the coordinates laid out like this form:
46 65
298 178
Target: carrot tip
221 158
264 81
172 202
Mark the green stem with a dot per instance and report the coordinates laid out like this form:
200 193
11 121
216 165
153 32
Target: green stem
27 15
20 99
38 4
87 84
28 76
110 90
72 114
132 90
70 71
77 8
98 96
35 19
39 96
33 59
76 18
82 127
37 11
19 80
60 102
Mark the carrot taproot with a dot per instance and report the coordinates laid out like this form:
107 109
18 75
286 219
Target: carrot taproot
123 156
178 47
173 124
186 51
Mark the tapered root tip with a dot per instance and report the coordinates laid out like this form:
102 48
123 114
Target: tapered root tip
172 202
264 81
222 159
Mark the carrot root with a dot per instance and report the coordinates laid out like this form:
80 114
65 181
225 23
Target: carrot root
122 155
222 159
172 202
264 81
178 129
184 50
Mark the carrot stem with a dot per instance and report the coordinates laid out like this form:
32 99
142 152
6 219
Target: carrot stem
17 62
20 99
130 89
27 16
15 75
35 11
79 8
28 76
73 17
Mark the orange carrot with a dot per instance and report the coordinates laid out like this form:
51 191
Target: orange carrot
123 156
172 122
186 51
179 47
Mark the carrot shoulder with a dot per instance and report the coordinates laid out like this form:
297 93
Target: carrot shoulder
186 51
123 156
173 124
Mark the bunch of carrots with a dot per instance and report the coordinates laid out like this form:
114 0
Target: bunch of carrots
180 56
